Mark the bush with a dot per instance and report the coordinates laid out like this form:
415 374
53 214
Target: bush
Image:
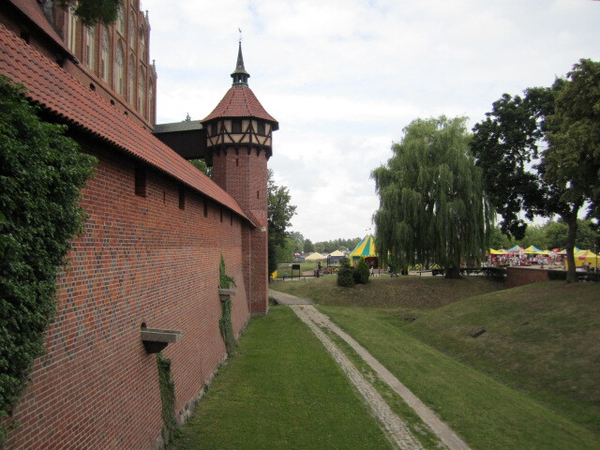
362 272
41 174
345 277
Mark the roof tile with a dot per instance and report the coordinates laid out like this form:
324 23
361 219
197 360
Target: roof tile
240 101
57 91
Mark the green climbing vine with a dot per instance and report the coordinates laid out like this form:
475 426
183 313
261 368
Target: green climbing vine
41 174
225 325
167 397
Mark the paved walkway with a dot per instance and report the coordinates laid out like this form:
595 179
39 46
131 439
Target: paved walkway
394 426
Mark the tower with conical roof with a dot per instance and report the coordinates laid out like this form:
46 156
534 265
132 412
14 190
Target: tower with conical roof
238 145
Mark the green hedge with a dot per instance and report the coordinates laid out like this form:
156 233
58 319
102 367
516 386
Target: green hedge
41 174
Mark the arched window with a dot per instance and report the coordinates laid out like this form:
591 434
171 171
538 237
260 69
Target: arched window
151 100
119 70
71 30
105 55
90 48
121 22
142 92
132 36
131 82
143 44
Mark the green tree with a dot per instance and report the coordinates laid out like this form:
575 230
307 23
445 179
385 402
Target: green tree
572 159
432 207
308 246
201 165
298 240
280 213
41 174
362 272
92 12
345 276
506 145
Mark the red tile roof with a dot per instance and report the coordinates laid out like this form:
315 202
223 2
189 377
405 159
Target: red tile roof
32 10
58 92
240 101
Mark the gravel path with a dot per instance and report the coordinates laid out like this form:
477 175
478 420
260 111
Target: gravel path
448 437
395 428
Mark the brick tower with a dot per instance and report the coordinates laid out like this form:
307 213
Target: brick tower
238 145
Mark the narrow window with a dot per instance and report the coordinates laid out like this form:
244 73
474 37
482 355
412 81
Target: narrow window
236 126
90 48
142 92
132 30
140 181
261 128
181 197
237 162
105 54
121 22
257 194
71 30
131 82
119 78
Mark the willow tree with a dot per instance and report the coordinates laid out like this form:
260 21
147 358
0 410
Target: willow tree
431 203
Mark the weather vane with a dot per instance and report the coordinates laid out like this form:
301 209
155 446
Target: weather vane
240 30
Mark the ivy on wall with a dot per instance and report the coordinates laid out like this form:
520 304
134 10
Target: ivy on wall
167 397
41 175
225 325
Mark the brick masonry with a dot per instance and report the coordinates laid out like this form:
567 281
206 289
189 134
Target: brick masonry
140 260
519 276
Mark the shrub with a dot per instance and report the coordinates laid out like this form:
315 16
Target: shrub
345 277
361 272
41 174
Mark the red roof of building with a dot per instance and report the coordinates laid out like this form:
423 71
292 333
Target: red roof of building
240 101
58 92
31 9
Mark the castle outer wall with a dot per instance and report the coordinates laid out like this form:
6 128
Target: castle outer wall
149 255
140 260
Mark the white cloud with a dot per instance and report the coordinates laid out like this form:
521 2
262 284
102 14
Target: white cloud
343 77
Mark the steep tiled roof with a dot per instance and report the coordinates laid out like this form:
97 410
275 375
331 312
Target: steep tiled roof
31 9
240 101
58 92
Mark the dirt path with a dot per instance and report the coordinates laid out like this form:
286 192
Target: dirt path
392 424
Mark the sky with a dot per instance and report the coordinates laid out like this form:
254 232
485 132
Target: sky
345 77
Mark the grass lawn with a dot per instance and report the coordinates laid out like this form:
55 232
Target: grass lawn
281 391
543 339
486 413
529 381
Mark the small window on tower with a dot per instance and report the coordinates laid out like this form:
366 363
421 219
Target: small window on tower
261 128
213 129
236 126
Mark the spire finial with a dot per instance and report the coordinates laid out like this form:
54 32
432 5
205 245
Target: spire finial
240 76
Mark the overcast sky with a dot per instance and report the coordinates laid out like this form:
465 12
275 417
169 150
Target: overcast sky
344 77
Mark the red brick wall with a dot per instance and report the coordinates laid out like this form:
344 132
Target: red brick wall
519 276
140 260
243 174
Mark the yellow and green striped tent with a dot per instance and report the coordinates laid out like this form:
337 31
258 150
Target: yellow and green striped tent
365 249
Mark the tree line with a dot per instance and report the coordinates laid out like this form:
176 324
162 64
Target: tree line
536 155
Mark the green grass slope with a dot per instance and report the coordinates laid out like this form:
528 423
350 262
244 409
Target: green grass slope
542 339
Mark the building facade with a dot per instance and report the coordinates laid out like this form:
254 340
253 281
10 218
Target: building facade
156 230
